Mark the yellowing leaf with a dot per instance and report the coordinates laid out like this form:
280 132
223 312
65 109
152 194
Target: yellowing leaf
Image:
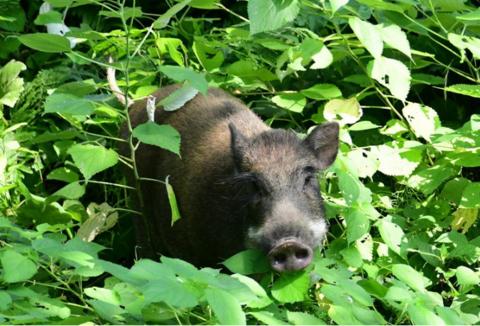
343 111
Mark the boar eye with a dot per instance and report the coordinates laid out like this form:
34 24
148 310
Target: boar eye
310 177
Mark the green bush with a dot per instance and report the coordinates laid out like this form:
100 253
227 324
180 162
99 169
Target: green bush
402 78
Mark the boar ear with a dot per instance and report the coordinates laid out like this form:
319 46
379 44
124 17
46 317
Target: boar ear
237 145
323 140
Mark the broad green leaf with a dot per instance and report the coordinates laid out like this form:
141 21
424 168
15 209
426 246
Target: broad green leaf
392 236
38 210
464 218
291 287
399 158
344 111
164 19
73 190
209 56
364 162
63 174
471 16
363 125
164 136
449 316
172 292
322 59
475 122
268 318
292 102
11 86
91 159
382 5
50 17
303 318
471 196
453 189
429 179
394 128
269 15
177 99
181 74
342 315
322 92
263 298
172 199
358 224
100 218
352 256
337 4
249 70
16 267
466 276
411 277
463 42
465 89
368 35
105 295
398 294
394 37
13 16
5 300
126 13
248 262
421 315
420 78
225 307
367 316
204 4
147 269
392 74
46 42
68 104
422 119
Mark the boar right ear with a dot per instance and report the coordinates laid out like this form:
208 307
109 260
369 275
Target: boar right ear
238 144
323 140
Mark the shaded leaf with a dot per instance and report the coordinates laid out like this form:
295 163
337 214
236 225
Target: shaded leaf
164 136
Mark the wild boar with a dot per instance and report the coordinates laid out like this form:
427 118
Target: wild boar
239 184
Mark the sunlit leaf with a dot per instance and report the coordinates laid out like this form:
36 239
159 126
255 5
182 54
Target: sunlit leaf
91 159
16 267
392 74
269 15
164 136
368 35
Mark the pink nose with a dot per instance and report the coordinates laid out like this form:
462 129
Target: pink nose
290 256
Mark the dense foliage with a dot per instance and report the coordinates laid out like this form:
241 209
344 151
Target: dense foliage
402 78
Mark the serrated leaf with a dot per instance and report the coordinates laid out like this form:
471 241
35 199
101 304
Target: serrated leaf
398 159
429 179
91 159
269 15
292 102
181 74
465 89
247 262
164 136
68 104
358 224
44 42
344 111
368 35
11 86
225 307
291 287
393 36
392 74
16 267
322 92
411 277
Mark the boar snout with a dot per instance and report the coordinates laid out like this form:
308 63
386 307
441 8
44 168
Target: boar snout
290 256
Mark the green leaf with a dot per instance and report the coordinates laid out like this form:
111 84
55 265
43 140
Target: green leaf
269 15
322 59
422 119
63 174
471 196
44 42
411 277
16 267
337 4
358 224
466 276
463 42
343 111
73 190
322 92
248 262
164 19
171 291
291 287
268 318
394 37
225 307
465 89
147 269
392 236
13 16
91 159
292 102
177 99
173 203
100 218
453 189
11 86
181 74
126 13
382 5
68 104
105 295
303 318
398 158
368 35
471 16
50 17
363 125
429 179
5 300
421 315
164 136
364 162
204 4
392 74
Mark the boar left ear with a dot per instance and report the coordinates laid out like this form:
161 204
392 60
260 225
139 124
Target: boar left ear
323 140
238 143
